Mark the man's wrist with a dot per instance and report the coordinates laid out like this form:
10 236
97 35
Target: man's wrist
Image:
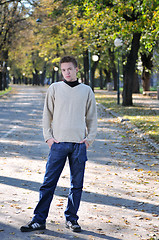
49 139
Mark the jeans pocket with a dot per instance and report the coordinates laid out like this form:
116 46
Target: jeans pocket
82 153
52 146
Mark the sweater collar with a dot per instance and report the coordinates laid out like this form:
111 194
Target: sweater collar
72 84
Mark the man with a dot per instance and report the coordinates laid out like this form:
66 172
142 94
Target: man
69 127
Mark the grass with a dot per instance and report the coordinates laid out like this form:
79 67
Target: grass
5 91
141 115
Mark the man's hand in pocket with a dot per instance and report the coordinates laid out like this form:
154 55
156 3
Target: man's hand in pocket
51 141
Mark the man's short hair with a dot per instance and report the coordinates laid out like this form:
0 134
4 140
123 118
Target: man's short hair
69 59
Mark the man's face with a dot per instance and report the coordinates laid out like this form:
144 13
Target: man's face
69 71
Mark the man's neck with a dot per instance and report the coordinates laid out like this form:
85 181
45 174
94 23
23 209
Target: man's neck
72 83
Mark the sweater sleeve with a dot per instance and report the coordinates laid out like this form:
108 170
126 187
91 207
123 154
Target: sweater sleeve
48 114
91 117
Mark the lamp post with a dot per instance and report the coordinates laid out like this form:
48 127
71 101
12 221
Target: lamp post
118 43
40 72
7 83
89 72
56 71
95 58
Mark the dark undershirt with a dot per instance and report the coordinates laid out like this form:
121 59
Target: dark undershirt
72 84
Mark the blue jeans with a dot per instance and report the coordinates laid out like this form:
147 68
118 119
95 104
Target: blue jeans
76 153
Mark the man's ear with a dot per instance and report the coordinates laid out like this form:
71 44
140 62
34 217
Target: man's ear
76 69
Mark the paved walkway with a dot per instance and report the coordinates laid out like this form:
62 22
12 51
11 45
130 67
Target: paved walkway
121 189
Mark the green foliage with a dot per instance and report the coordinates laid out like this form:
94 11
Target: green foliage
70 27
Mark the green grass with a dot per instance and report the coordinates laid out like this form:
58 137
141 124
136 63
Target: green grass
143 117
5 91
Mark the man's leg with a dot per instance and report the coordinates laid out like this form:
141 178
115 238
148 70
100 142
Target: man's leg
55 164
77 160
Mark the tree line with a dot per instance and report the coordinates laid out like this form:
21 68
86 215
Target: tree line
35 34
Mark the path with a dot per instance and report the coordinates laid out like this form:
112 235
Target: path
121 190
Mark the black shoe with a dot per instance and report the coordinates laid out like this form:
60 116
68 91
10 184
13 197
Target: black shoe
32 226
73 225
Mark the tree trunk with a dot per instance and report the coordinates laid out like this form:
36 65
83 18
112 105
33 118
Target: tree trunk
129 70
94 66
101 78
147 66
4 77
86 67
107 78
57 76
1 83
3 69
82 77
145 80
36 80
14 80
53 76
136 85
43 74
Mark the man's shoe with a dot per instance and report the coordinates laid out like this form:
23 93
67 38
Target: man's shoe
32 226
73 225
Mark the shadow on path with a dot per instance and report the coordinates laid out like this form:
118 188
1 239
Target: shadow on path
86 197
10 233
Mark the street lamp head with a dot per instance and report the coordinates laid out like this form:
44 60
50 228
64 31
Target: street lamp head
56 69
95 58
118 42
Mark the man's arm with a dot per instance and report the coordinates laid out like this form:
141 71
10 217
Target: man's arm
91 118
48 114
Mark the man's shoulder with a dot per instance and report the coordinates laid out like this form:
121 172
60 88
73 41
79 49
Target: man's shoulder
55 85
87 87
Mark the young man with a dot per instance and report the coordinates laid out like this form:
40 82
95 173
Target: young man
69 127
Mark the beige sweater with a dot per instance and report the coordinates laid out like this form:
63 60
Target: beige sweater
69 113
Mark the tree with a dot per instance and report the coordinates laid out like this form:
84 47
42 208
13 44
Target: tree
13 14
127 20
147 67
129 70
76 26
